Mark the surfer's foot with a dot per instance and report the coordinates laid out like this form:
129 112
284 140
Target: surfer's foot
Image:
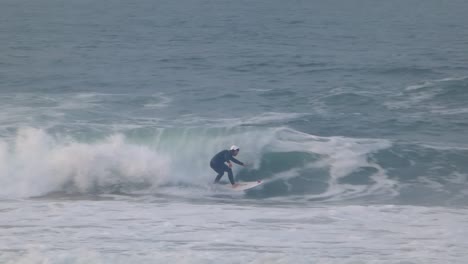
235 185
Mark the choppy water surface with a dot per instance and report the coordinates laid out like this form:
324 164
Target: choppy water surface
353 114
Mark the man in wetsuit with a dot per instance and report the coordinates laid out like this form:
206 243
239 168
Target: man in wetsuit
217 163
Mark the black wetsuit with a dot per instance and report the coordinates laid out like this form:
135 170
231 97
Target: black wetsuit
217 163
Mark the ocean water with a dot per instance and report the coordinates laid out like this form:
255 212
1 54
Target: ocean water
353 113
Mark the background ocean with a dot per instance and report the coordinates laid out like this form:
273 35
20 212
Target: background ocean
353 113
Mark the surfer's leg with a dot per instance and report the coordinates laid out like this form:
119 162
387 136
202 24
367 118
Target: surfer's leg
219 170
231 177
219 177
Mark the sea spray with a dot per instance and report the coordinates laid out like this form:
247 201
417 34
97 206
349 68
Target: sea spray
36 163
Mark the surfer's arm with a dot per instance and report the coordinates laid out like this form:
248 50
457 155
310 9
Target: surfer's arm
236 161
227 158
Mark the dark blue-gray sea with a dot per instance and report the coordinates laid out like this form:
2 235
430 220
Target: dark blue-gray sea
353 113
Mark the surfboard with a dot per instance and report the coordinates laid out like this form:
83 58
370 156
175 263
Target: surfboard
242 186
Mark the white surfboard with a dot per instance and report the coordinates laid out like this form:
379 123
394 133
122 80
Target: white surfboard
242 186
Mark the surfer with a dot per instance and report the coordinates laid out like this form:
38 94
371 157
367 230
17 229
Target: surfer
218 163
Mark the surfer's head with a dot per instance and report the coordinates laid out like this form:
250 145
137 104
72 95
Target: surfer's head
234 150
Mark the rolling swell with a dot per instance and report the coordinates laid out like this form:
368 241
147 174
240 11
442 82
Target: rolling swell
427 174
294 165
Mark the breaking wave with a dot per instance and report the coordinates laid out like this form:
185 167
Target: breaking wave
294 165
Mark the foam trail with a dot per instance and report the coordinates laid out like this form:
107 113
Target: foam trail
340 157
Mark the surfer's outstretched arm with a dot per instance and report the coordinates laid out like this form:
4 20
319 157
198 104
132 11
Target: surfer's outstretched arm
237 161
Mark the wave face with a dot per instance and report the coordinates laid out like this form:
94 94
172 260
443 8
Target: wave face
295 166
